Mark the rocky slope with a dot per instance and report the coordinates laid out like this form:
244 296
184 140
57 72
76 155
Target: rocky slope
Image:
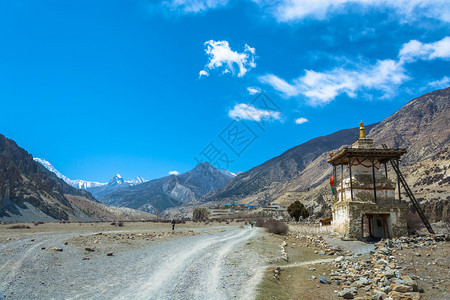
29 192
261 180
170 191
421 126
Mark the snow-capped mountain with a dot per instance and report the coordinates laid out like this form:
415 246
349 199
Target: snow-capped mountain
96 188
137 180
170 191
77 183
117 179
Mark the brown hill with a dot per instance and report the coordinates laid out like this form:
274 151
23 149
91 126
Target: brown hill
421 126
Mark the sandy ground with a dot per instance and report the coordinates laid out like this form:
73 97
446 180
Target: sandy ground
190 263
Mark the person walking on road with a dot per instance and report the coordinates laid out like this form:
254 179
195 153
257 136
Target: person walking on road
173 224
251 224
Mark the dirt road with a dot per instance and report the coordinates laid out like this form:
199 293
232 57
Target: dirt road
214 264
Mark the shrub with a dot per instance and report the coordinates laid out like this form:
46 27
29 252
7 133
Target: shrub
38 223
120 224
259 222
19 227
275 226
413 222
200 214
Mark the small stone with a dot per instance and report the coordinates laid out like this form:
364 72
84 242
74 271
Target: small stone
390 273
324 280
379 295
313 277
385 250
364 280
339 259
89 249
109 254
402 288
347 293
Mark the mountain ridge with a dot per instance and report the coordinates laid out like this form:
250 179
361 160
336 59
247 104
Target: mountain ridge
97 189
170 191
421 126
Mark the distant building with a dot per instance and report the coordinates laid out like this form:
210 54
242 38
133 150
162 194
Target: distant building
274 209
218 212
365 204
326 222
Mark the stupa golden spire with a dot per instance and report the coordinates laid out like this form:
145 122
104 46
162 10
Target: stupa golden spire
362 131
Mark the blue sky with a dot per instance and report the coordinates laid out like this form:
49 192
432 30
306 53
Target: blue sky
146 87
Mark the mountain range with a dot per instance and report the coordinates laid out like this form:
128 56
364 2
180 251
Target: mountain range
170 191
155 196
29 192
302 172
97 189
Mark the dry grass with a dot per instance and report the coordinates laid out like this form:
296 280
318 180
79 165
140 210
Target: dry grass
295 282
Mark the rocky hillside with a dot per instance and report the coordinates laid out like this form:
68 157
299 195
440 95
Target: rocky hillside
170 191
29 192
260 182
421 126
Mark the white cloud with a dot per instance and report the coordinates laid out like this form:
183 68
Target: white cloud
322 87
203 73
253 90
444 82
407 10
415 50
301 120
193 6
220 55
280 85
244 111
174 173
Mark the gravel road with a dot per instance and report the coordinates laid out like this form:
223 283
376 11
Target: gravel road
214 264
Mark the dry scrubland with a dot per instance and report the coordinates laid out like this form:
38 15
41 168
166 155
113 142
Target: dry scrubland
65 260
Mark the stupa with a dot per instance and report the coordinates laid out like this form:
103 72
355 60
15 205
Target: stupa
365 204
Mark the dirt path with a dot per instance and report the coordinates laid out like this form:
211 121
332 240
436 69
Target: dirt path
215 264
304 263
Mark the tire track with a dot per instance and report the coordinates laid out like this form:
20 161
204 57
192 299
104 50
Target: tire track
192 272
